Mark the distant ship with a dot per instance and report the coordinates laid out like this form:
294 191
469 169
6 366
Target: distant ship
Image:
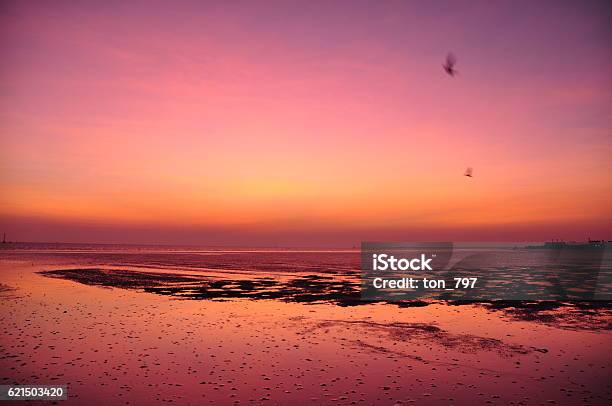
559 244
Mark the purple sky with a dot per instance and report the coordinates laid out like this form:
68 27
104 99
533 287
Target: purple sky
304 123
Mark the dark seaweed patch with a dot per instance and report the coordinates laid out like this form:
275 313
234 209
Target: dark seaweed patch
313 288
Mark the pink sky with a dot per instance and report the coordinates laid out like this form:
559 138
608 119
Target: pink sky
304 123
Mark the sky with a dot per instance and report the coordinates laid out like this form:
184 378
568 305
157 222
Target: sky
305 123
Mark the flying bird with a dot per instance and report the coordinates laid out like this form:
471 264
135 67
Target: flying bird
468 172
449 65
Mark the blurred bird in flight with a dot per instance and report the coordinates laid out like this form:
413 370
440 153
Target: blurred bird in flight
468 172
449 65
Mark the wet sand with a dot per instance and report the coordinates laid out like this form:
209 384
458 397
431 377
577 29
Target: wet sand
136 331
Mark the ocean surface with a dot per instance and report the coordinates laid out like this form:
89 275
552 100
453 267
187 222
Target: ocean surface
504 271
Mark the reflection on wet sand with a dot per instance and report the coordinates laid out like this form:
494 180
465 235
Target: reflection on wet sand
465 343
163 332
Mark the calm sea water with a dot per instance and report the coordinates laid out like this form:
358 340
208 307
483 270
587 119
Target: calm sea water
508 272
